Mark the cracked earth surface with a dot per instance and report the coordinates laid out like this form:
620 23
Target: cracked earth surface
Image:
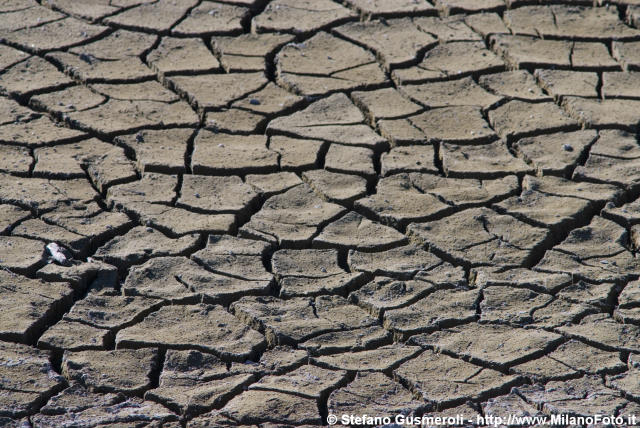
261 213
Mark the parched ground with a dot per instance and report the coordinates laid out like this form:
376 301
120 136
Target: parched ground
241 212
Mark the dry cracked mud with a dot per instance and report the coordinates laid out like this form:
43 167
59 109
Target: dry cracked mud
219 213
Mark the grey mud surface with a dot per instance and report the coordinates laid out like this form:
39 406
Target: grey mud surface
265 213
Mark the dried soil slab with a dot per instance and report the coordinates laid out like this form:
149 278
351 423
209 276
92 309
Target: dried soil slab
462 124
409 159
357 232
74 98
216 194
307 263
225 154
123 370
76 398
270 100
442 380
272 184
447 29
627 54
385 103
381 359
372 394
42 193
616 144
605 169
234 121
577 397
511 305
216 91
100 71
524 278
202 327
143 91
300 17
401 132
325 64
510 404
237 257
105 164
561 83
517 84
350 160
190 397
600 193
28 379
391 8
531 52
256 407
29 305
39 230
21 255
336 187
611 113
555 154
248 52
442 308
571 22
549 211
74 336
15 160
486 23
128 116
602 331
291 218
10 215
402 262
139 244
117 45
58 34
38 132
490 238
212 18
11 111
620 85
17 16
110 413
396 42
397 202
447 7
151 188
32 75
454 59
465 193
460 92
161 151
617 268
180 280
111 312
179 55
335 119
517 119
494 345
570 359
296 154
298 319
347 341
160 16
307 381
384 294
626 382
592 57
485 161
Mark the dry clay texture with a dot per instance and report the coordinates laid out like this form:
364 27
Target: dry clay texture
253 213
